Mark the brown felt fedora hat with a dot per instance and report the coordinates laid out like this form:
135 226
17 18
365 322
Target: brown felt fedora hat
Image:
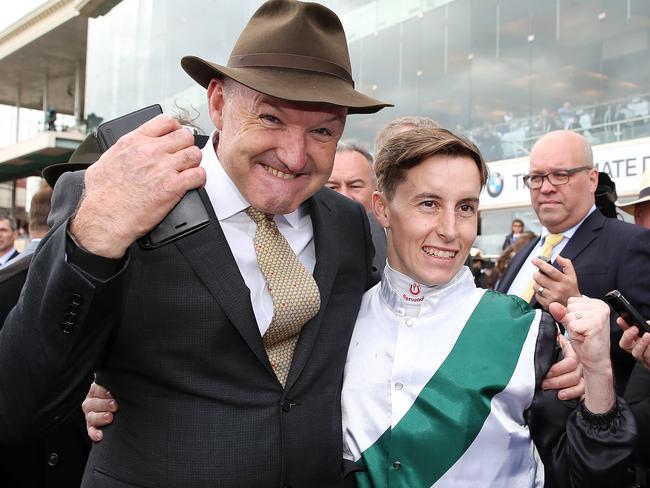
291 50
86 154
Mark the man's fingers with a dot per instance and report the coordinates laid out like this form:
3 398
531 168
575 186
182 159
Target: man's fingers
640 347
565 380
192 178
177 140
629 338
622 323
558 311
98 391
567 266
95 435
158 126
547 270
567 365
100 405
189 157
569 362
572 393
98 419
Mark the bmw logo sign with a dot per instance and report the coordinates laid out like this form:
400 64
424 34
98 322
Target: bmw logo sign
495 185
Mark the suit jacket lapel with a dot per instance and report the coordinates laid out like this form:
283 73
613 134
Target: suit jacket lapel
327 263
583 236
208 253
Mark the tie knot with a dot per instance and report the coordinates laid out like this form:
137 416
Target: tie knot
257 215
553 240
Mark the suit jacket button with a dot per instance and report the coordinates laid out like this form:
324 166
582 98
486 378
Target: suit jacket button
76 299
67 327
286 405
53 459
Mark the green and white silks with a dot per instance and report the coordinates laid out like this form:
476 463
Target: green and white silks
436 386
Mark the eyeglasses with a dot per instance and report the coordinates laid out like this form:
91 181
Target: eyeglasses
555 178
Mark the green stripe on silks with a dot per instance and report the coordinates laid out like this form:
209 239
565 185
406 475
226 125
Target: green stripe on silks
453 406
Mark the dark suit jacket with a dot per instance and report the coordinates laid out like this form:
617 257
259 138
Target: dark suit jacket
378 235
637 395
173 336
58 458
607 254
12 279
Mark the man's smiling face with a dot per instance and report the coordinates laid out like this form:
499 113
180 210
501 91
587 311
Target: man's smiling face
432 218
278 153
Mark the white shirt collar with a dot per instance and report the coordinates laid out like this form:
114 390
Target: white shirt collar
224 195
409 298
568 234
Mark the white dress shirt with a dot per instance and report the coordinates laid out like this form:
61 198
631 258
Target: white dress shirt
5 257
229 205
520 283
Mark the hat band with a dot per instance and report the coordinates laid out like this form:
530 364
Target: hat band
645 192
292 61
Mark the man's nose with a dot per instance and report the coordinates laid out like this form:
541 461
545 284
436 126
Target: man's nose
448 225
547 186
292 151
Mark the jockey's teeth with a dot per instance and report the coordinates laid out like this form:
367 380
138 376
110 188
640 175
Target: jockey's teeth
439 253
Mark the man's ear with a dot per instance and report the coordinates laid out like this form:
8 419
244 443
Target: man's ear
215 102
593 180
380 209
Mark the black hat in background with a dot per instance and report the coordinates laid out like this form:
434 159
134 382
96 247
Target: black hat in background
86 154
606 195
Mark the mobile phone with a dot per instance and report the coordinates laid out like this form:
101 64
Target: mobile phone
109 132
546 259
621 306
189 215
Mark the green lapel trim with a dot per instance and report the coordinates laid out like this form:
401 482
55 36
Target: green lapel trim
453 406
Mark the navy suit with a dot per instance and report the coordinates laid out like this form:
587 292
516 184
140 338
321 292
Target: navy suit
607 254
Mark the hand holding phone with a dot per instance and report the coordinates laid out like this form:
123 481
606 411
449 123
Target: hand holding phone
621 306
135 185
188 216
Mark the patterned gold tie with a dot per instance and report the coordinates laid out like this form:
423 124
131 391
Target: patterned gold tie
296 297
550 242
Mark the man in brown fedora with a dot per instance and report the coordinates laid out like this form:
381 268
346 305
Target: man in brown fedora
226 347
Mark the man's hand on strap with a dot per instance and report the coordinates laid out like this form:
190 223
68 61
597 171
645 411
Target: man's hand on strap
98 407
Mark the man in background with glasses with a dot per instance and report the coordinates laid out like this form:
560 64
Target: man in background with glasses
588 253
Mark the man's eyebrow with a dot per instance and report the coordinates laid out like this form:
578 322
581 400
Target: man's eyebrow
268 102
333 118
355 180
471 200
426 195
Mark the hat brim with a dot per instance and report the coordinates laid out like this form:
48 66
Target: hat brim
288 84
629 206
52 173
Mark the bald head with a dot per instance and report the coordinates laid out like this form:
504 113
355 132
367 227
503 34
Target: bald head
560 207
569 140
